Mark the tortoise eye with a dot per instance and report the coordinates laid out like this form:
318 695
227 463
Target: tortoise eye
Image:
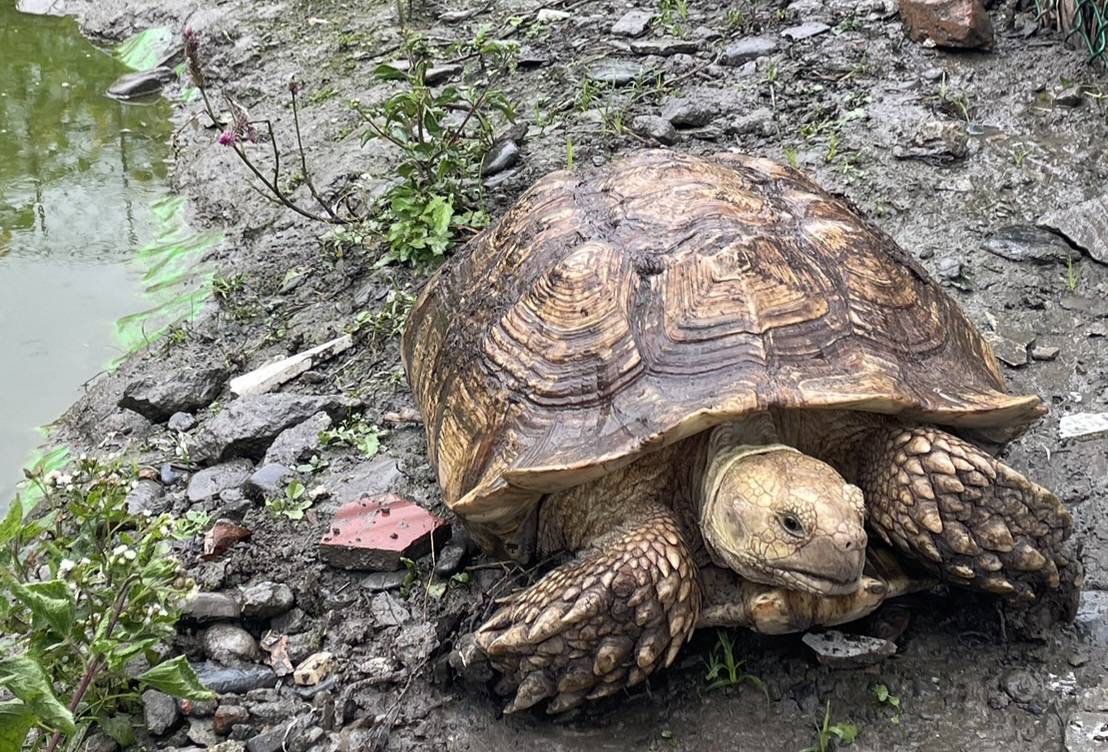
792 525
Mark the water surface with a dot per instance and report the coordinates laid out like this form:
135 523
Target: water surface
79 173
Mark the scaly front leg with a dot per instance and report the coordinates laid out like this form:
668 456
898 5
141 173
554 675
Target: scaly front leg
601 622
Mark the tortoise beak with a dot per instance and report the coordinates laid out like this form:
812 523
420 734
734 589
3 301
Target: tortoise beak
827 565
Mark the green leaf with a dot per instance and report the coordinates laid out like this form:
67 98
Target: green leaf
119 727
436 590
25 679
848 732
882 692
16 720
49 602
175 677
10 526
386 72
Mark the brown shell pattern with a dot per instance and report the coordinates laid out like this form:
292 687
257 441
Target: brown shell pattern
616 310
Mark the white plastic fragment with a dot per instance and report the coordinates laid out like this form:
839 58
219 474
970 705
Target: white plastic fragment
1082 424
262 379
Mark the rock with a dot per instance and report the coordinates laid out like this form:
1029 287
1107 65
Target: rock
529 57
1027 243
181 422
370 478
1087 732
99 742
212 607
268 482
657 128
223 535
147 497
415 643
841 650
665 47
388 611
272 375
1045 352
550 15
690 112
752 122
615 72
272 740
228 643
1084 224
1092 616
440 73
141 83
750 48
41 7
1081 425
211 481
202 731
380 670
1069 96
301 646
263 600
247 426
231 745
633 23
297 444
949 268
314 669
500 157
227 716
1008 351
159 711
169 475
937 141
292 621
380 581
376 531
234 679
184 390
948 23
449 560
1021 685
805 30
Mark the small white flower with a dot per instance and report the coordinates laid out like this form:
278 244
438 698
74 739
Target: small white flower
129 554
66 566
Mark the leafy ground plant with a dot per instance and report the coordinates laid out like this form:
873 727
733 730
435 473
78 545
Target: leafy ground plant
442 136
884 697
723 670
355 432
86 589
831 734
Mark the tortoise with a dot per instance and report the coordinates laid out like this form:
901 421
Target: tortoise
710 382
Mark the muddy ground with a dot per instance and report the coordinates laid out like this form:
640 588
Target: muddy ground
846 104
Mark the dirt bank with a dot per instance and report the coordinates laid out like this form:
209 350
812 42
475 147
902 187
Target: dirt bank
846 104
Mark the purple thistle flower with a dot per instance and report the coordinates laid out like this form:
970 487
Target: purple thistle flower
227 138
192 54
295 87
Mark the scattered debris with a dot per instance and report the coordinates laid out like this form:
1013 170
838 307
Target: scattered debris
277 645
314 670
376 531
1080 425
842 650
221 537
271 375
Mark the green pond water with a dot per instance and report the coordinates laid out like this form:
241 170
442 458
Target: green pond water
94 256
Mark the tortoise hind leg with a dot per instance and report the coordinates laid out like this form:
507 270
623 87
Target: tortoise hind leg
963 513
601 622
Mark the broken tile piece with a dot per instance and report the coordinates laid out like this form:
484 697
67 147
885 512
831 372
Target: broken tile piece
314 669
837 649
374 532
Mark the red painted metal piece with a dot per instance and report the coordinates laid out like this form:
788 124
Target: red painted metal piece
375 532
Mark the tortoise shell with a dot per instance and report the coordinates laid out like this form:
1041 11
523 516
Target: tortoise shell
613 311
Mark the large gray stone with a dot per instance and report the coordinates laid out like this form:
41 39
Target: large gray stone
691 112
267 482
655 127
1087 732
1084 224
837 649
234 679
1027 243
748 49
208 483
264 600
186 390
297 444
148 496
388 610
633 23
211 607
159 711
367 479
141 83
615 72
248 426
229 643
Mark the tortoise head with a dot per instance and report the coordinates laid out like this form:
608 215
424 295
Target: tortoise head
779 517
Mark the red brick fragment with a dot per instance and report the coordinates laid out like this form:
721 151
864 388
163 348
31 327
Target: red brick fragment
374 532
948 23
